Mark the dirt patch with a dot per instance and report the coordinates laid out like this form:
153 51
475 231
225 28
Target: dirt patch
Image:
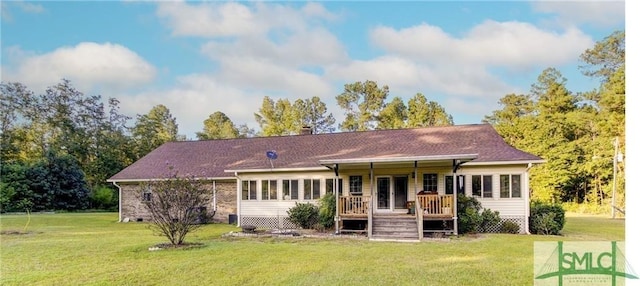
15 232
184 246
293 233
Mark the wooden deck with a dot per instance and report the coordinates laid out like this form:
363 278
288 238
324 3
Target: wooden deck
356 215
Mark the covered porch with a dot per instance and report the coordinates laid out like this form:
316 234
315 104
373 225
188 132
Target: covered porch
396 203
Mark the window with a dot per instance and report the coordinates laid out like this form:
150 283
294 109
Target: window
448 184
430 183
510 186
290 189
481 186
355 185
249 190
311 189
269 190
329 186
146 196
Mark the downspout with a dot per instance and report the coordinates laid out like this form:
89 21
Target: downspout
238 198
119 201
527 201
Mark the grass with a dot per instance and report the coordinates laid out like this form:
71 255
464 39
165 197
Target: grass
93 249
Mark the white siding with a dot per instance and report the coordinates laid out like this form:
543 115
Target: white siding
279 207
506 207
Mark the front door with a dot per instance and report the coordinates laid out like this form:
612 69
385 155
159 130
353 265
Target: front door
391 193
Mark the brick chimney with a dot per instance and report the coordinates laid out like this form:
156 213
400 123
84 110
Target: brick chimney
306 130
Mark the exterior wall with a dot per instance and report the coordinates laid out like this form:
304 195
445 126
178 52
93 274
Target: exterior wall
223 202
511 209
273 213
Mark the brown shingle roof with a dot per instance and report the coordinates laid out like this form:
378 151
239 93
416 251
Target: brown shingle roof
212 157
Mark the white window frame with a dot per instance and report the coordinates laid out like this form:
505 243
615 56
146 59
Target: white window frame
269 196
297 191
483 191
255 190
510 184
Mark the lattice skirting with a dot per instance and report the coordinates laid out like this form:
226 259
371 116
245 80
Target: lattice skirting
519 220
267 222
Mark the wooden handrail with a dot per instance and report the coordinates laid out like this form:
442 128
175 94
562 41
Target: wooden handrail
354 205
436 205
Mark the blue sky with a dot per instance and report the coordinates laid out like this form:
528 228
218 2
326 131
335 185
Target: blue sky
201 57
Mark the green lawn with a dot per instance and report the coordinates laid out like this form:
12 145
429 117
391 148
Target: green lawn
93 249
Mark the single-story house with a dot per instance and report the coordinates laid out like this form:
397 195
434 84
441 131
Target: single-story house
387 181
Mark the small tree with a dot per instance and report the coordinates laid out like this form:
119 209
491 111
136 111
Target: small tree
327 210
176 206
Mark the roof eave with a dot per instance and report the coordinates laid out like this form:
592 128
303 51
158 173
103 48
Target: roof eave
271 170
463 157
512 162
160 179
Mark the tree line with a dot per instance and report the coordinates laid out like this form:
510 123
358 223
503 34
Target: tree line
58 148
574 132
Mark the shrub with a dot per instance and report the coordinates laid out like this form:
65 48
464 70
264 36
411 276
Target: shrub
303 215
327 210
509 227
546 218
469 219
490 220
104 198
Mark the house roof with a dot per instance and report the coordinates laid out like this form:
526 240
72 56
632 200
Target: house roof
216 158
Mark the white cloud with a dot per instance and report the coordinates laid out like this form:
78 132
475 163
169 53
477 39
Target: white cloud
599 13
194 98
208 19
26 7
215 19
512 45
87 65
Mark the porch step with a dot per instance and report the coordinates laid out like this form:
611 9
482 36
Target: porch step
395 227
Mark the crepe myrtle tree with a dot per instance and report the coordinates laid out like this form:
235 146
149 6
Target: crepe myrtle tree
176 205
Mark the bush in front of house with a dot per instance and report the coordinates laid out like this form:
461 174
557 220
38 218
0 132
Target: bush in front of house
509 227
490 221
469 219
546 219
327 210
304 215
473 218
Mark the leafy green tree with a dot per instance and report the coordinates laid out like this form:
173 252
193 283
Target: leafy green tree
424 113
278 118
393 115
514 119
154 129
218 126
362 103
313 113
606 58
245 132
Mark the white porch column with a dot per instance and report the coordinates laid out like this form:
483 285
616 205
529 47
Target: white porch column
455 197
370 214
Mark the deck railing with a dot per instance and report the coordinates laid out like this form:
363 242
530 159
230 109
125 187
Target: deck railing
437 205
354 206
